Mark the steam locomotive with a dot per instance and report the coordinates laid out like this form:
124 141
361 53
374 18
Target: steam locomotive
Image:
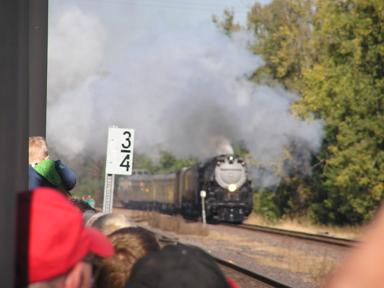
220 184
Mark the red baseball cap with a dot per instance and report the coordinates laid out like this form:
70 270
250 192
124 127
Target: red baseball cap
232 283
57 236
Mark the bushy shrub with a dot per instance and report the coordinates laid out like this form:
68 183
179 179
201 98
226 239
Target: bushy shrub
264 205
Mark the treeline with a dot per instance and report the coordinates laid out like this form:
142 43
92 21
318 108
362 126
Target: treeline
331 52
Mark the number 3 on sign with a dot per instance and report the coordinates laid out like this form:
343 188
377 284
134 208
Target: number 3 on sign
127 151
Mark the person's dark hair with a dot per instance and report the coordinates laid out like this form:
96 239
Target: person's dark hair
131 244
177 266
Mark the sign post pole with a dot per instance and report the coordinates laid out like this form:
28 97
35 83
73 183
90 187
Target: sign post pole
203 194
109 185
119 161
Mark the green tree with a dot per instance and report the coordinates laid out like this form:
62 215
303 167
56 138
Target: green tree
240 148
283 31
331 52
144 162
345 87
169 163
227 24
90 172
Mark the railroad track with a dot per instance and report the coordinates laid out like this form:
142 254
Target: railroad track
319 238
247 278
241 274
301 235
244 277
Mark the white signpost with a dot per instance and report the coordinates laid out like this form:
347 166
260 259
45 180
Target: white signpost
203 194
119 161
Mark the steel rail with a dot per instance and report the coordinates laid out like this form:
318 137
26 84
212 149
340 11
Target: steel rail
258 277
296 234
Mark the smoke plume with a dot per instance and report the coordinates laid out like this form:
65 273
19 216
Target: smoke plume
185 90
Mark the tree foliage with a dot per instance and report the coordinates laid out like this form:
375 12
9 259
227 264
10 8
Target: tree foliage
167 162
345 88
332 53
227 24
283 30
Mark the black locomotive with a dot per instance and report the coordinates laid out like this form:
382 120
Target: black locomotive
221 182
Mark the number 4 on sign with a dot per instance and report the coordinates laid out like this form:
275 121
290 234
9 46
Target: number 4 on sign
125 162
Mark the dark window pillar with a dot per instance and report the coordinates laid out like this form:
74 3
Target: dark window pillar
23 78
38 39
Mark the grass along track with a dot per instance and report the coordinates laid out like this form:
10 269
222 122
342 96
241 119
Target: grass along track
319 238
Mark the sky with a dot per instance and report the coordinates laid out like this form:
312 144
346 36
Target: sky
164 69
136 16
143 13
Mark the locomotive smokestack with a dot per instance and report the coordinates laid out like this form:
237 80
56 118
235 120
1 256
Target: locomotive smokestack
223 146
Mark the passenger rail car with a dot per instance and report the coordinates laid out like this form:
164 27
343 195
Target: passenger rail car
224 178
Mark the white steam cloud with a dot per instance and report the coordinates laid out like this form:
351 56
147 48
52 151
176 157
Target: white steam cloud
184 90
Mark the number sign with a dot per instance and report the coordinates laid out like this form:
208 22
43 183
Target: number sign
120 151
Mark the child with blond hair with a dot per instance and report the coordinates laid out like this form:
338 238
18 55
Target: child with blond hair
46 172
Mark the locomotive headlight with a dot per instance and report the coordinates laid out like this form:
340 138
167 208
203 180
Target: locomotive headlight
232 187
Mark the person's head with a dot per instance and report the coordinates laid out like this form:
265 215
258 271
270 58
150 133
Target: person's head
110 222
54 240
177 266
131 244
38 150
